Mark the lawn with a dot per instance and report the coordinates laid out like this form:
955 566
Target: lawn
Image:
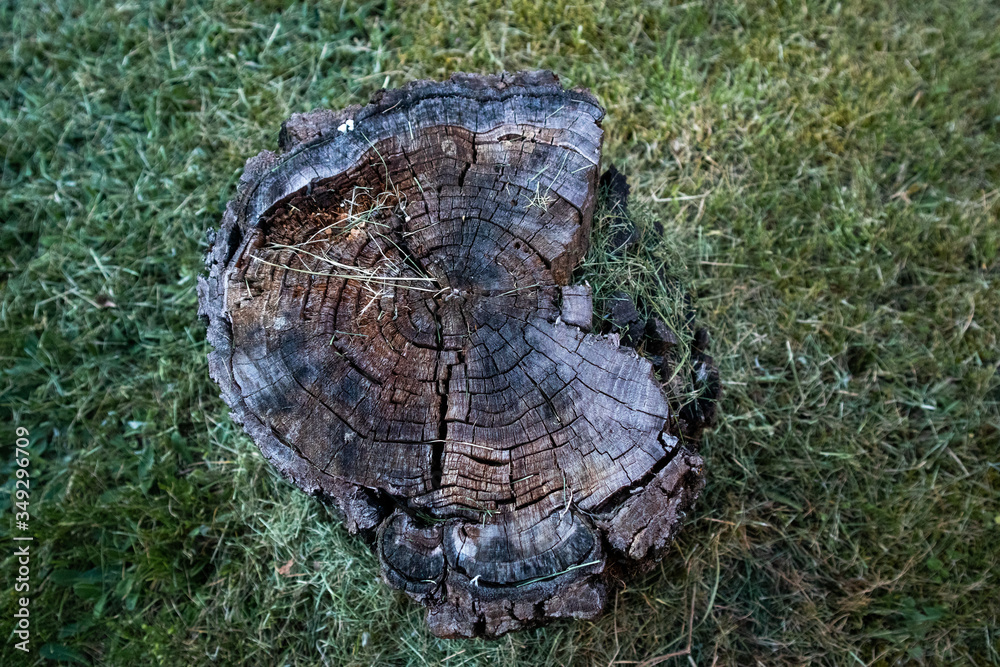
829 172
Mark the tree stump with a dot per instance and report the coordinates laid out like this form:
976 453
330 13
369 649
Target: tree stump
393 323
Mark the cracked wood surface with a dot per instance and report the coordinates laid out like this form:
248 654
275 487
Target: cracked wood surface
393 323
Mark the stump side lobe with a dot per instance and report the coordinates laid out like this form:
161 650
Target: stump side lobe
393 324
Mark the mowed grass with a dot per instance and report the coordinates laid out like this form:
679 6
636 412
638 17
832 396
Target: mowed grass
828 170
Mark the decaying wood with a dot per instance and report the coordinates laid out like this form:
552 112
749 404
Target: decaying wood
394 324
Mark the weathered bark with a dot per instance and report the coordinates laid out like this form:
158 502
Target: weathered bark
393 324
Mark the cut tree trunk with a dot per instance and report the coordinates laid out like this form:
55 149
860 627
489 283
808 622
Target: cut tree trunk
393 323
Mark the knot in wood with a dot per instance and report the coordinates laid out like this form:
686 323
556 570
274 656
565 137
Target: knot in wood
390 305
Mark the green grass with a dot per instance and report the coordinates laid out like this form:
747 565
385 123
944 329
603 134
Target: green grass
828 170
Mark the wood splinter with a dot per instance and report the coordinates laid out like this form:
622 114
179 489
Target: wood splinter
393 323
